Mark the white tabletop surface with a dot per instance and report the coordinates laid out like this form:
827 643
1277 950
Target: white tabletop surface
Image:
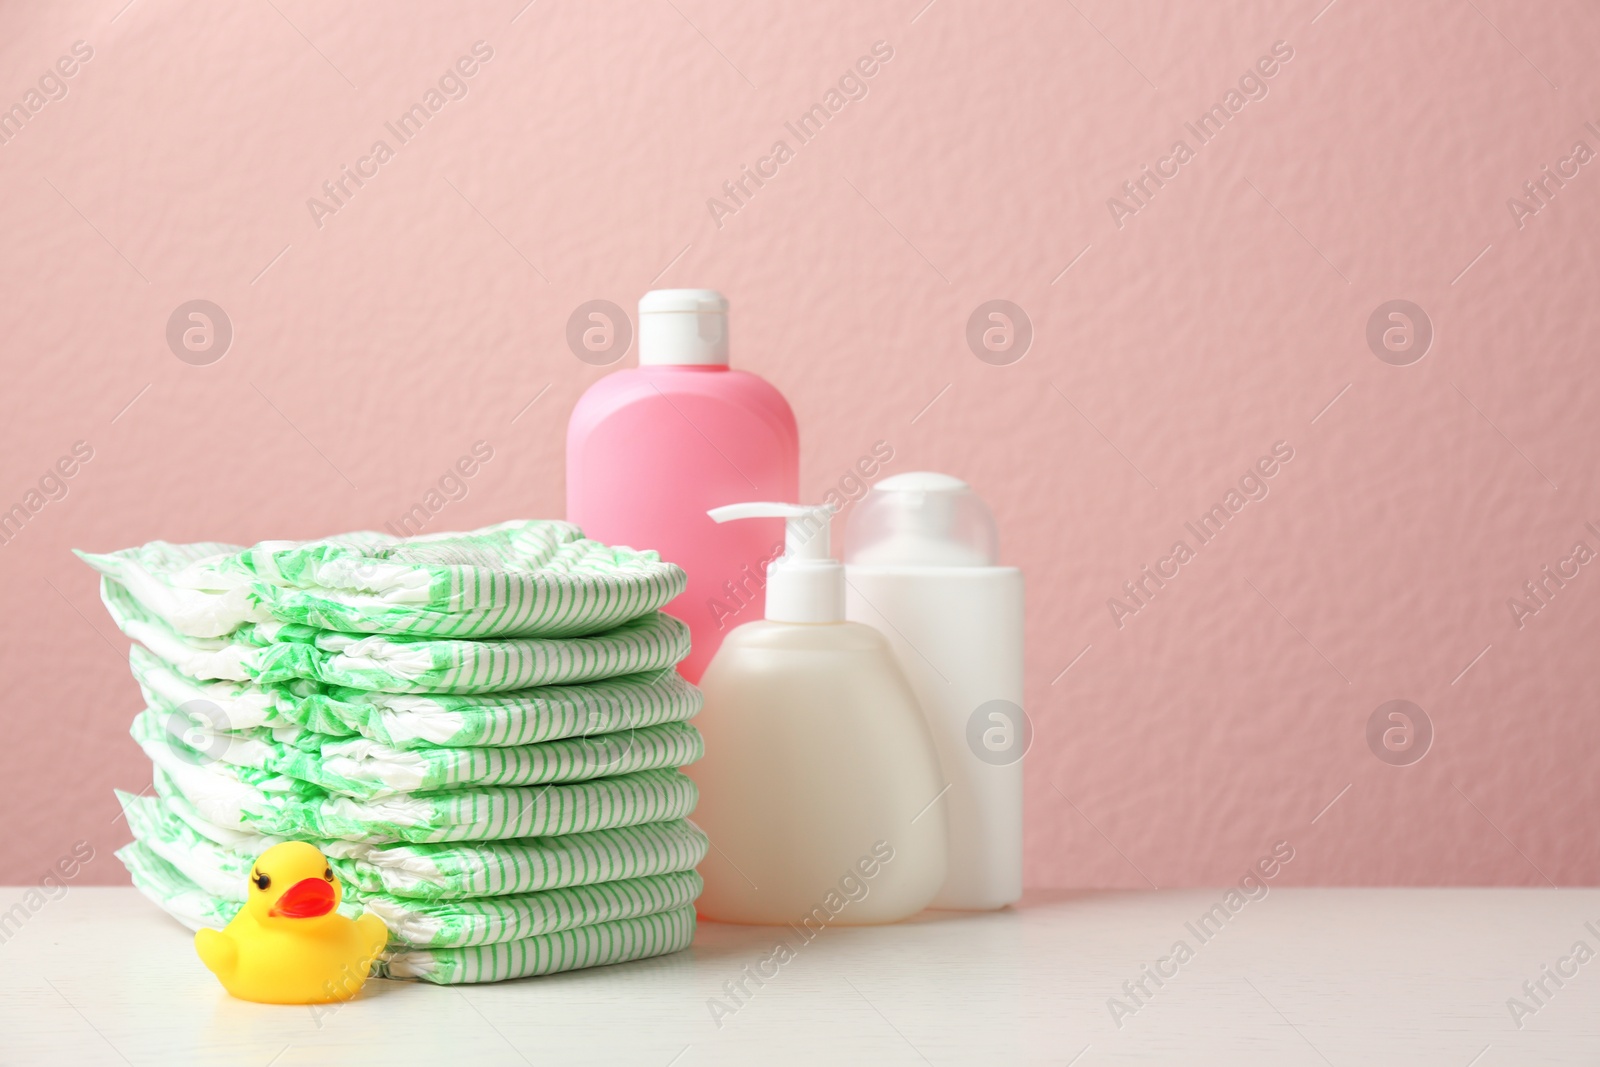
1303 976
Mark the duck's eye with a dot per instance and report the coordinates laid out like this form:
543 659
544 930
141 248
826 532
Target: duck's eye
261 880
327 874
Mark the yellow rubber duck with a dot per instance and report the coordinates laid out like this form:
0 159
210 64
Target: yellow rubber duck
289 944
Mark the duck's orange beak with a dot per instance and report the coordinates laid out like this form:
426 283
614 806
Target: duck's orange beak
306 899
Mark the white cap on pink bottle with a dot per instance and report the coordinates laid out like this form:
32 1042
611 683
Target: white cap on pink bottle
683 327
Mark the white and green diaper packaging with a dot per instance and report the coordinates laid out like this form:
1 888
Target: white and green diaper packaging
482 731
527 577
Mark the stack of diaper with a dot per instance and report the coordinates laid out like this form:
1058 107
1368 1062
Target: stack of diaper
481 731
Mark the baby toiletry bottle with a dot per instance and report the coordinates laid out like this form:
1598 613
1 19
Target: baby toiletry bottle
920 555
650 450
820 786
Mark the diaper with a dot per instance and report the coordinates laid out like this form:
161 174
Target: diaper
365 769
423 924
216 858
268 652
586 946
182 585
278 805
521 717
497 920
180 898
226 705
528 577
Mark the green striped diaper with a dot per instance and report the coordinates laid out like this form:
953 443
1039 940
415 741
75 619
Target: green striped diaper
586 946
452 924
273 652
523 577
526 577
180 898
216 858
420 925
281 806
366 769
419 720
226 705
517 717
497 920
181 585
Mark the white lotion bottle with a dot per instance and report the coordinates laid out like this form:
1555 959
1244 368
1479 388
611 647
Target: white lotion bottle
921 556
819 780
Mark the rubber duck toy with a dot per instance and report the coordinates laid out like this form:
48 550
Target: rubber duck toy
289 944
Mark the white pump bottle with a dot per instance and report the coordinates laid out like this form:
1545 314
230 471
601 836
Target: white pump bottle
818 784
921 557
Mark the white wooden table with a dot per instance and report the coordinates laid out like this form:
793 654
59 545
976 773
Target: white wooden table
1304 976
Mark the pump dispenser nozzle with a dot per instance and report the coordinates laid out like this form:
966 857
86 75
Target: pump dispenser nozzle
805 584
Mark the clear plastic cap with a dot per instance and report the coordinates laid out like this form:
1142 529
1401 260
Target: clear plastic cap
683 327
922 519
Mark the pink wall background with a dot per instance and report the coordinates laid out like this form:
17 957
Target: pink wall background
1168 353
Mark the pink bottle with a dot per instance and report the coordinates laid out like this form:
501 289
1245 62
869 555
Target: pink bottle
650 451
